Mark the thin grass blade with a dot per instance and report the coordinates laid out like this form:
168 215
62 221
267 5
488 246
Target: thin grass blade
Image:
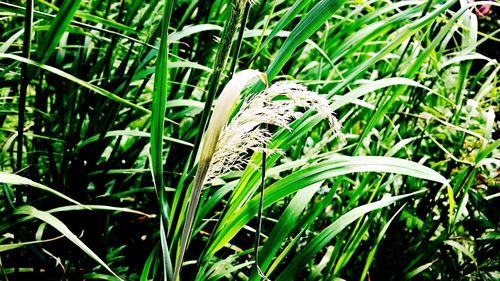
61 227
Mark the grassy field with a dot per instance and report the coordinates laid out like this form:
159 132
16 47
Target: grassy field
249 140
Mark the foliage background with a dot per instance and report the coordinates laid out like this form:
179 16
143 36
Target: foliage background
412 80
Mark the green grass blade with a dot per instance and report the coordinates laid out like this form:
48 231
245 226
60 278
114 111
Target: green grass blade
56 30
286 224
80 82
282 23
322 239
18 180
159 104
73 208
148 265
8 247
313 174
372 86
139 134
417 270
314 19
105 22
371 254
157 131
192 29
168 269
61 227
461 248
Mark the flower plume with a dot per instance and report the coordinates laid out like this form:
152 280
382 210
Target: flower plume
245 131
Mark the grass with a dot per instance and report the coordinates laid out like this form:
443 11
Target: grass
115 114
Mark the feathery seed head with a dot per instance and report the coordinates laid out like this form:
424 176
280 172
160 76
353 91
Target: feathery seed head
245 134
252 2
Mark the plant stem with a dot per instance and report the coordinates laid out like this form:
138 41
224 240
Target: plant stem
28 21
259 216
240 40
219 65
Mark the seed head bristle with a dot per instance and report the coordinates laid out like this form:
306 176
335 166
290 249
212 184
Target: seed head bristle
252 2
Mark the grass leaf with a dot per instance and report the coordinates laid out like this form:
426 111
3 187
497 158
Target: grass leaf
61 227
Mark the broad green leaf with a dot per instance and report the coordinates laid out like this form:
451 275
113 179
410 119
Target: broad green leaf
313 174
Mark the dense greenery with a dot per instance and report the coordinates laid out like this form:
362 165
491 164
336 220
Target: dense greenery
104 105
